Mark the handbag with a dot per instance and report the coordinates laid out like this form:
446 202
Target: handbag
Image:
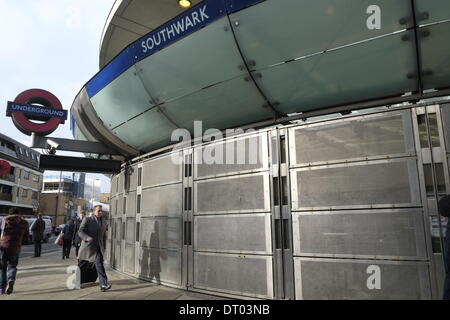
60 239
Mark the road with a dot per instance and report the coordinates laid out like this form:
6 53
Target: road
50 247
45 278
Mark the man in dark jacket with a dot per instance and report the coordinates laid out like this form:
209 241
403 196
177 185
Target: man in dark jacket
37 230
76 238
68 231
15 230
93 233
444 210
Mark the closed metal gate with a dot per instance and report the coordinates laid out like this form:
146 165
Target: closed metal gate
432 128
337 209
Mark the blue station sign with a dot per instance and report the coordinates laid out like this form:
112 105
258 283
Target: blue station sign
190 21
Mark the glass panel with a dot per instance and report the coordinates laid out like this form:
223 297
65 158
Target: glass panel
225 105
204 58
147 132
423 133
351 74
274 144
440 177
434 130
435 54
429 185
436 10
276 191
121 100
284 190
277 31
357 138
445 115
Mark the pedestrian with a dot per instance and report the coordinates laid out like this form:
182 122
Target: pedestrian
37 230
76 238
68 231
14 231
93 233
444 210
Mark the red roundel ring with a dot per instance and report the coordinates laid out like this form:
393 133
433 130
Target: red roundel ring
25 124
5 167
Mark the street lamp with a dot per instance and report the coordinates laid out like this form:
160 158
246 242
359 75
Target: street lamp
93 184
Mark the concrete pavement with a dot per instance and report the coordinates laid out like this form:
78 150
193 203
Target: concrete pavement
44 278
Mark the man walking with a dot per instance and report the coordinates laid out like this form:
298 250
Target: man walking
38 229
93 246
68 232
76 238
15 230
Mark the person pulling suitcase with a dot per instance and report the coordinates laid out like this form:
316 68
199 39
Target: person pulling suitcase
93 246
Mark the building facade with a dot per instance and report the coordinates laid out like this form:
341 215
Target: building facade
60 199
341 202
22 186
343 208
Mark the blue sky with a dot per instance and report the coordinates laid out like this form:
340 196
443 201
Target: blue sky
52 45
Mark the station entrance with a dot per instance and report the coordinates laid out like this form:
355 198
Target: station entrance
342 208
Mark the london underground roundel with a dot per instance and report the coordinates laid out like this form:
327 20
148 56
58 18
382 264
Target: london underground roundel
39 105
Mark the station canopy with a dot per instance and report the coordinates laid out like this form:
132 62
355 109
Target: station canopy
231 63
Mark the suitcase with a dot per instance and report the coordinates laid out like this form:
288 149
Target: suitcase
88 272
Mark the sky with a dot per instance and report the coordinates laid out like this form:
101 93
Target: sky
52 45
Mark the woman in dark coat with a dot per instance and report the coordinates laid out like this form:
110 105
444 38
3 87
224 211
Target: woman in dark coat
68 232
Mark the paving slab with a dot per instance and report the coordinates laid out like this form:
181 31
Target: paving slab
45 278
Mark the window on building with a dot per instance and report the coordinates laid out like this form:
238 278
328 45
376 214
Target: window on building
34 195
5 189
24 193
26 153
51 186
35 177
10 146
26 175
20 151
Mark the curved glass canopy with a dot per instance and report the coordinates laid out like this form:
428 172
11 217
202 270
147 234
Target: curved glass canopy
230 63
